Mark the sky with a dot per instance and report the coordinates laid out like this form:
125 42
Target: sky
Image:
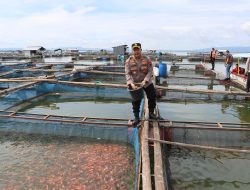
157 24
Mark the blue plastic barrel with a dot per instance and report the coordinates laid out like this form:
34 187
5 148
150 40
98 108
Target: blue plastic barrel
163 70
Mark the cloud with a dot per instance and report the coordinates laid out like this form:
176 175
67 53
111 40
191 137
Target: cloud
246 27
164 24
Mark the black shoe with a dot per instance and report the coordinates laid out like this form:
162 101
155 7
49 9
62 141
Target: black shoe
152 115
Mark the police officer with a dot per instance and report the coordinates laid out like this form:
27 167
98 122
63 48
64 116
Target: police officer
139 70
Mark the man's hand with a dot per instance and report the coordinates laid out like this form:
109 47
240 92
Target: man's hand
144 82
133 86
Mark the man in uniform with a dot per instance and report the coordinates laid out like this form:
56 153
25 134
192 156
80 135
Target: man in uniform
139 72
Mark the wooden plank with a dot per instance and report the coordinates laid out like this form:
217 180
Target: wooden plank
139 164
146 174
158 163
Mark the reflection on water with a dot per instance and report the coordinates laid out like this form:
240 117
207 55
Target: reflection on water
77 104
45 162
221 111
57 59
198 169
101 79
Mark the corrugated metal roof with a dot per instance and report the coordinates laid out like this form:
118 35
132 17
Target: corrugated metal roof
120 46
30 48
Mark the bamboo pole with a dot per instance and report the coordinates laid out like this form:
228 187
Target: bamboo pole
46 117
64 74
6 73
65 121
125 86
212 148
43 70
219 125
56 63
216 128
17 62
100 66
17 88
110 66
188 77
204 122
183 64
31 78
91 84
14 63
42 66
75 117
146 174
34 79
203 91
100 72
16 70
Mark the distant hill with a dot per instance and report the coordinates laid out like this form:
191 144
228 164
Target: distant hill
64 48
235 49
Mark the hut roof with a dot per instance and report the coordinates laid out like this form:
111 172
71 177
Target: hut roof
36 48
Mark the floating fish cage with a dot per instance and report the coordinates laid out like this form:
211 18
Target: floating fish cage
11 66
18 117
202 126
20 74
206 138
201 154
98 78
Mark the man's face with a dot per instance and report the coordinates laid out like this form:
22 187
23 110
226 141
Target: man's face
137 52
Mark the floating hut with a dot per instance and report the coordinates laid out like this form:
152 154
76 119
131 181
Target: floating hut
33 51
